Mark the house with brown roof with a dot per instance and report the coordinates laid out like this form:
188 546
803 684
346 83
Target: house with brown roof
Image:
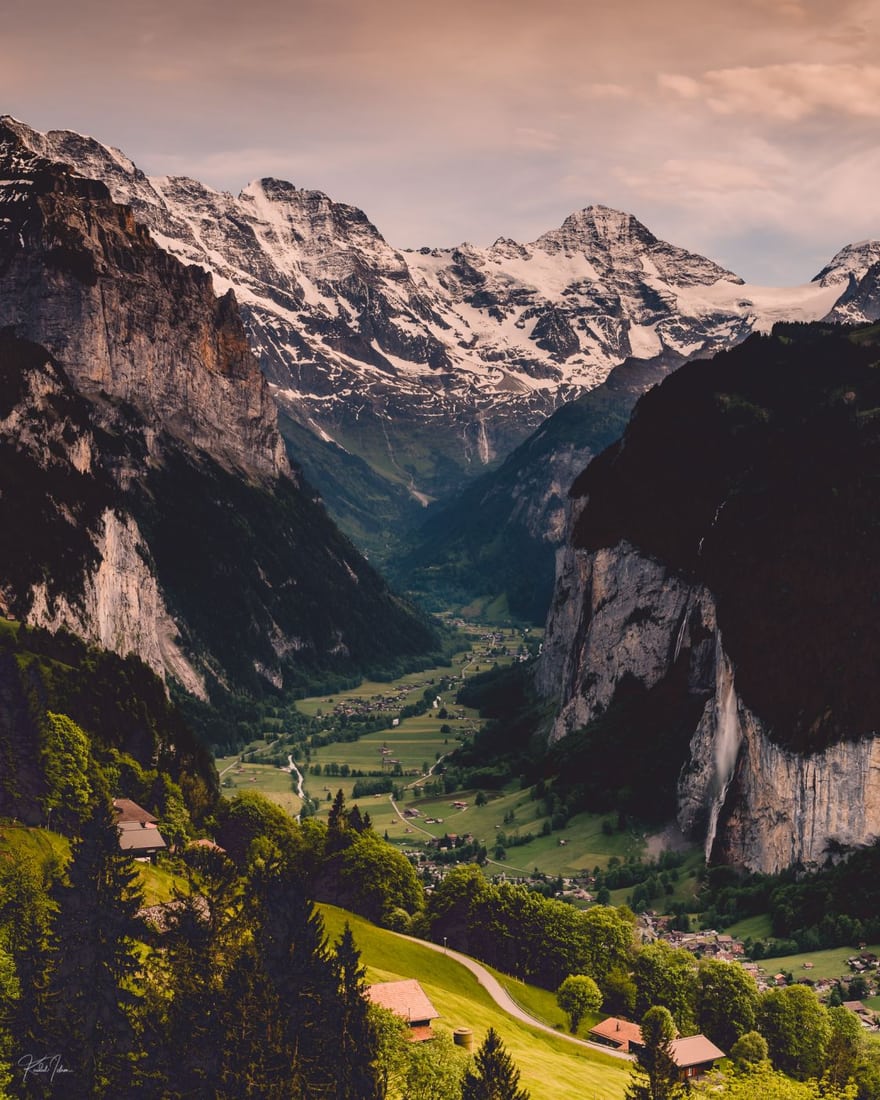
139 834
616 1033
408 1000
694 1055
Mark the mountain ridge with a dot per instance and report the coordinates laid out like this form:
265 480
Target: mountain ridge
377 349
721 558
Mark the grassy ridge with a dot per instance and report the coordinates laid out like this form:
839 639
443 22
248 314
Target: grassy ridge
551 1068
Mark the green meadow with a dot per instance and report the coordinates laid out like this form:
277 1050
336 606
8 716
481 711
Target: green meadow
826 964
551 1068
406 751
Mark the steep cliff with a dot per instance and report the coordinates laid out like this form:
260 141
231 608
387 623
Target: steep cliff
128 321
146 502
727 547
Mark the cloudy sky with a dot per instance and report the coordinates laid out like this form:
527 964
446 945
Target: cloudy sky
748 130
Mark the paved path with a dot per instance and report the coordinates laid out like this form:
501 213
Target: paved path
505 1002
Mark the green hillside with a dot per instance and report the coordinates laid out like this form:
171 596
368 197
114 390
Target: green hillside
552 1068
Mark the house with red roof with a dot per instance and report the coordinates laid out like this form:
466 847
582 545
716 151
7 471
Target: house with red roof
616 1033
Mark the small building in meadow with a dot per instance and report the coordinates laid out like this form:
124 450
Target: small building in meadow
408 1000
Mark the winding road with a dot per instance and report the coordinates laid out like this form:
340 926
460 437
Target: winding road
505 1002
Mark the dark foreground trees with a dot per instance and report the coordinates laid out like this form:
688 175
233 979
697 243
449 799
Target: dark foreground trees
494 1076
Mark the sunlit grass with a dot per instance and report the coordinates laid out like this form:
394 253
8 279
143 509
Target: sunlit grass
551 1067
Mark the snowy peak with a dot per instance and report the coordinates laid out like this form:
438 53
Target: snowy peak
598 228
853 260
618 242
330 240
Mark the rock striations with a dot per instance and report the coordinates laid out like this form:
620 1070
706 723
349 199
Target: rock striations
143 467
725 552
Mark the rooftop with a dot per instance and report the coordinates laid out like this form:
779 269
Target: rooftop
130 811
406 999
622 1032
694 1050
137 836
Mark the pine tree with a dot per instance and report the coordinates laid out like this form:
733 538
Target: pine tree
187 1019
188 1047
655 1075
338 836
495 1077
358 1045
257 1059
90 1005
290 943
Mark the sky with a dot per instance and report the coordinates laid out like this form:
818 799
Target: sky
746 130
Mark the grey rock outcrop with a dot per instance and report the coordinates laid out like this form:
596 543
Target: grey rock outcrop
744 798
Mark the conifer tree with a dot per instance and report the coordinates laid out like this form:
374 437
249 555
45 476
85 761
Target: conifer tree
655 1075
289 937
494 1077
256 1058
337 825
90 1005
358 1045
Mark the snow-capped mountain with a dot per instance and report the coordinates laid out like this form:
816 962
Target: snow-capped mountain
431 363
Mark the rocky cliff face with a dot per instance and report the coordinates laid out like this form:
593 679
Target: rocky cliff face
72 557
81 278
749 801
699 576
146 502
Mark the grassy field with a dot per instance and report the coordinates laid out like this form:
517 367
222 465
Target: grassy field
268 779
541 1003
18 842
414 746
759 927
551 1068
826 964
159 882
586 845
417 742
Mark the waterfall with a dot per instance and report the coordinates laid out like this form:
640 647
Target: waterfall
483 443
728 737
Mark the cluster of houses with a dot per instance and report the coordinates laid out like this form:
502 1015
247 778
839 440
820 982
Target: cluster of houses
356 706
707 944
